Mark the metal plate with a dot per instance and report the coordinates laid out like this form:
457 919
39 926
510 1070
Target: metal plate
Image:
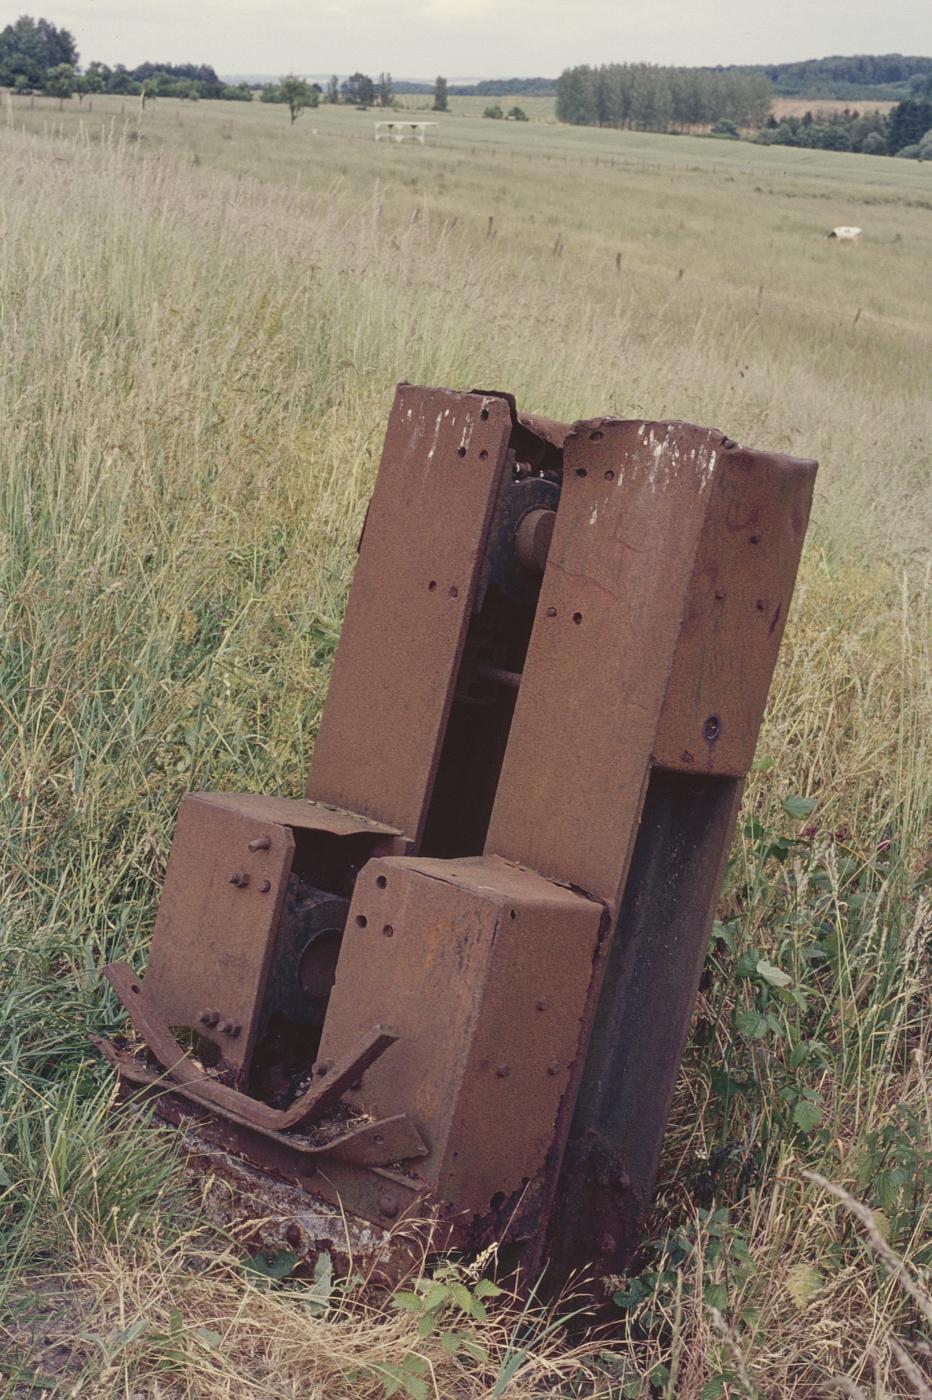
486 968
422 547
735 612
213 938
302 813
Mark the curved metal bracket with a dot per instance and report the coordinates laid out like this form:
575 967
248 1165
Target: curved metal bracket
195 1084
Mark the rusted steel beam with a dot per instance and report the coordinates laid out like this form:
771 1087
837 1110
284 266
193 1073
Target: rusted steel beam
419 562
662 606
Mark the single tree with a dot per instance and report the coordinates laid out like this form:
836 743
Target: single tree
296 93
440 95
333 89
59 82
385 92
358 90
95 79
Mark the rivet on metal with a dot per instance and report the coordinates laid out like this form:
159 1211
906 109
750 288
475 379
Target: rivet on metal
503 1071
388 1206
260 843
239 878
264 886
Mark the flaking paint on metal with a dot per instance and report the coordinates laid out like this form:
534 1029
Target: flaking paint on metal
395 670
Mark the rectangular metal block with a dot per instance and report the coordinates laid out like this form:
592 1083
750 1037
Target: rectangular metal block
735 612
213 939
482 969
623 656
227 876
420 557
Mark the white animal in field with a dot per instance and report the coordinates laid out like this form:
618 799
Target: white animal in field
845 232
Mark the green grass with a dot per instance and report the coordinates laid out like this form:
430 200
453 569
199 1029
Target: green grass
203 317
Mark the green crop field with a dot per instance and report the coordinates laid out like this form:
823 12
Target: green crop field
203 314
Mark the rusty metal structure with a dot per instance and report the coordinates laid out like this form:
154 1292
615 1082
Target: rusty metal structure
452 984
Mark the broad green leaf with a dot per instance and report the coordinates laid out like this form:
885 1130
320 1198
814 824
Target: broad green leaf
485 1288
463 1299
277 1263
436 1296
807 1115
882 1223
774 976
751 1024
798 807
407 1302
803 1283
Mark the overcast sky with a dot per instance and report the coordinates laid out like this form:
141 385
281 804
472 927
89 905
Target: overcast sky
478 38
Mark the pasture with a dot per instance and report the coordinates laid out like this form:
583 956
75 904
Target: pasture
203 313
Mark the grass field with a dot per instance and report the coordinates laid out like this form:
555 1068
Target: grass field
203 316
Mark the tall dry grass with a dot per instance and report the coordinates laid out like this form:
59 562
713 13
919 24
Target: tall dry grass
195 370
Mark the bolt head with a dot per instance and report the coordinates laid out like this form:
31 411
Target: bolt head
553 1068
264 886
388 1206
503 1071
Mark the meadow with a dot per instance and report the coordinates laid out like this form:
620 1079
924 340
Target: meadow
203 314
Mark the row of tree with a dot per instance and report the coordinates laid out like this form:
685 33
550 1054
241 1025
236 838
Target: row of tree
647 97
37 56
902 75
906 130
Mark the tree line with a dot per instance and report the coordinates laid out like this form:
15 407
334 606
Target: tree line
648 97
35 56
905 131
860 75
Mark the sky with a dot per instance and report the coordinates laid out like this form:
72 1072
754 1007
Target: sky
477 38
